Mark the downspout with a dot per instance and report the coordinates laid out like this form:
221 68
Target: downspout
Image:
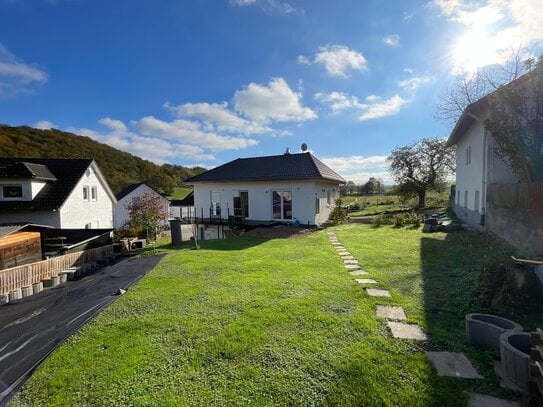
484 176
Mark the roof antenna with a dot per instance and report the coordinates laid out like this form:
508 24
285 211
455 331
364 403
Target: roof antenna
287 151
304 148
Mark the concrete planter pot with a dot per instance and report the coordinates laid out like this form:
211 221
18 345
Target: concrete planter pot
515 357
485 329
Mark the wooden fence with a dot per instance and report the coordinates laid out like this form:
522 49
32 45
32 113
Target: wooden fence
24 276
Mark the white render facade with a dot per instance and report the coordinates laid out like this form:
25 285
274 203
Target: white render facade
88 205
311 200
120 213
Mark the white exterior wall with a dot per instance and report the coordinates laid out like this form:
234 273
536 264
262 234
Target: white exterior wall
181 211
304 194
120 213
77 213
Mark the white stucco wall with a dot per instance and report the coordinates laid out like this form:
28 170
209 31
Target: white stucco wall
181 211
76 213
120 213
304 195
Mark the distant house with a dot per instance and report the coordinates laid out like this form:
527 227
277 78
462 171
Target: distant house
289 188
183 208
62 193
131 194
488 194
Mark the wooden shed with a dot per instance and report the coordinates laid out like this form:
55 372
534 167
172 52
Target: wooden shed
20 247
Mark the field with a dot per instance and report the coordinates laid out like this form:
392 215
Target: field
180 192
256 321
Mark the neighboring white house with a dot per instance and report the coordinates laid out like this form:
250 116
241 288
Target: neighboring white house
288 188
62 193
488 193
131 194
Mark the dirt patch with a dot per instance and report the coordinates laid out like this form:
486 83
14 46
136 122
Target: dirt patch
281 232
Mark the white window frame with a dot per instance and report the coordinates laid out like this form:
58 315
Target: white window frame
11 186
94 194
86 193
282 203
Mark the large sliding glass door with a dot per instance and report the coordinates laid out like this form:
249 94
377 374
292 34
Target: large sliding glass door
282 204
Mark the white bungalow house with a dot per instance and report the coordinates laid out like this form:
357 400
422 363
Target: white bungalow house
484 181
130 194
288 188
62 193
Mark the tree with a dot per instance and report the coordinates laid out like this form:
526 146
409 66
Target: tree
422 166
146 213
515 122
469 89
373 186
348 189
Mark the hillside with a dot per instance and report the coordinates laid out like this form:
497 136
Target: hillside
120 168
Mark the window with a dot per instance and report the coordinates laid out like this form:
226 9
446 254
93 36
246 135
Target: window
476 201
466 199
468 155
244 196
215 209
329 197
94 193
85 193
317 206
458 198
12 191
282 204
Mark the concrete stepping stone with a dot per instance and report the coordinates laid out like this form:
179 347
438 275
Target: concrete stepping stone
481 400
347 257
351 266
350 261
406 331
330 233
336 244
453 364
358 272
390 312
344 253
340 248
365 281
377 292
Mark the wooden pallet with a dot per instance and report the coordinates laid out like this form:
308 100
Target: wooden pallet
536 364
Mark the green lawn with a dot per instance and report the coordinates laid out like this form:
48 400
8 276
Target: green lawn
249 321
180 192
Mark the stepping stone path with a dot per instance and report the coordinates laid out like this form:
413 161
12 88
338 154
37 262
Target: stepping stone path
390 312
350 261
406 331
352 266
358 272
344 253
365 281
346 257
453 364
376 292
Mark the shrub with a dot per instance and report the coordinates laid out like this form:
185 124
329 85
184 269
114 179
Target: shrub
338 214
398 220
377 221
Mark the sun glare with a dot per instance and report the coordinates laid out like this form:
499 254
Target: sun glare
474 50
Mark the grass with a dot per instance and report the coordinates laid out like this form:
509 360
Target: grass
249 321
180 192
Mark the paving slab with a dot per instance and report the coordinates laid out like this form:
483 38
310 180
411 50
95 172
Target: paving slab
350 261
481 400
344 253
358 272
347 257
365 281
336 244
340 248
351 266
377 292
406 331
390 312
453 364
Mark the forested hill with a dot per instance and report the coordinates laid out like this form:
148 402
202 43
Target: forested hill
120 168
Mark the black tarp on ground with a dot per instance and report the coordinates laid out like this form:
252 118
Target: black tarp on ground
30 329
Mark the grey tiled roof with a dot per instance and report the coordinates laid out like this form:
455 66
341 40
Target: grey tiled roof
66 173
127 190
22 169
271 168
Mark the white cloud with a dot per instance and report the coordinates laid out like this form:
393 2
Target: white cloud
219 117
336 59
270 6
377 107
274 102
359 168
414 82
115 125
242 3
190 133
339 101
392 40
16 76
494 30
45 125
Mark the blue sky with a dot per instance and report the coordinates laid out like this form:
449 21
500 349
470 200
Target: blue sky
203 82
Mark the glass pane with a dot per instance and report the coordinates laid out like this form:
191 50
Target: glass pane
287 205
276 203
13 191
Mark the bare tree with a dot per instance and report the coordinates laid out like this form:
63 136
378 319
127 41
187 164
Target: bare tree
469 89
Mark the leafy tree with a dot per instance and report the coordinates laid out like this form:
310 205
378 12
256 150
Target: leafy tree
348 189
338 214
373 186
515 122
421 166
146 213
